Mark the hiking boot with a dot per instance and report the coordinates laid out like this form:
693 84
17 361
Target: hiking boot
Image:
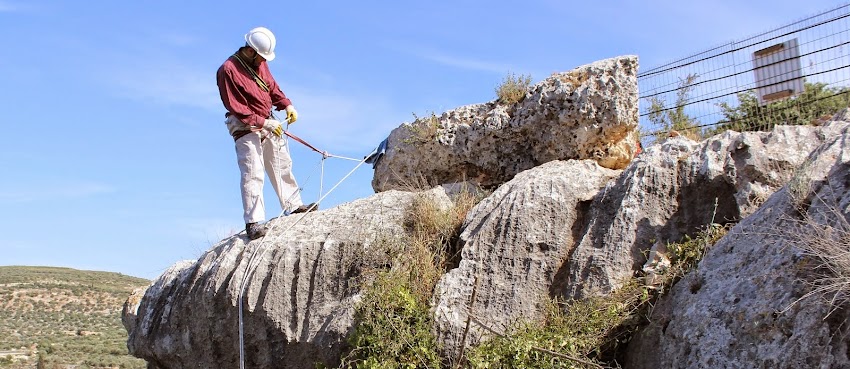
306 208
255 230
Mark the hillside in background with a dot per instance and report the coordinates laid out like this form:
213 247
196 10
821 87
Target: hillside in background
60 317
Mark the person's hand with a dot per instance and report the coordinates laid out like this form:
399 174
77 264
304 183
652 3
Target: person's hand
291 114
273 127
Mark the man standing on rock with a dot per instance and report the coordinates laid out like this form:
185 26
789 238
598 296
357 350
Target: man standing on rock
248 92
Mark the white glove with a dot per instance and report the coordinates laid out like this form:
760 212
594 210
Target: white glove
273 126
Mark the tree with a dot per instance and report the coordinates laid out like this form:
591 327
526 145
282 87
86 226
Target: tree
675 118
816 101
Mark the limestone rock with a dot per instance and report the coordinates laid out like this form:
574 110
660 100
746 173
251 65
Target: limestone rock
590 112
298 297
673 189
733 311
562 229
553 231
515 243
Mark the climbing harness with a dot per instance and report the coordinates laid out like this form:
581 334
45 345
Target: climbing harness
259 251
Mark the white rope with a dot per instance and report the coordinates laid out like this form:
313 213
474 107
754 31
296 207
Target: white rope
278 179
249 268
321 180
341 157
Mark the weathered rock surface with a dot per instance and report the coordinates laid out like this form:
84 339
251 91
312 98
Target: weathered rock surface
515 242
677 187
553 232
729 312
590 112
566 228
298 300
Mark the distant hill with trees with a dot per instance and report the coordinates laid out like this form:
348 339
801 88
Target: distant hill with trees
52 318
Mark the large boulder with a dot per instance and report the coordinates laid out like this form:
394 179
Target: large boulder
300 291
564 229
590 112
675 188
555 231
515 243
738 310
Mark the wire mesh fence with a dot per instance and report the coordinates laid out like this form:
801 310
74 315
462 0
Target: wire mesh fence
795 74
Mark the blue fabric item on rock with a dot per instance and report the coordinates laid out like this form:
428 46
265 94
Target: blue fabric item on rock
376 154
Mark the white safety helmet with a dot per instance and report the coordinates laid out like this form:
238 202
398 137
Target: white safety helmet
262 41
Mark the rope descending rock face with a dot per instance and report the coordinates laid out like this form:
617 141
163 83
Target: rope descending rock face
259 251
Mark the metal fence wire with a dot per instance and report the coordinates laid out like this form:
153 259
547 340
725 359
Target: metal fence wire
794 74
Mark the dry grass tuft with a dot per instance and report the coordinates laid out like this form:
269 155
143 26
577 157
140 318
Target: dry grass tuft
800 186
423 129
513 89
433 233
825 237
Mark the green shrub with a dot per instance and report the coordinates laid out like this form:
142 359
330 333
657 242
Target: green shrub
590 333
674 118
686 254
817 101
393 328
577 334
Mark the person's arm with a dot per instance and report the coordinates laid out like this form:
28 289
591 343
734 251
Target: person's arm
234 100
279 99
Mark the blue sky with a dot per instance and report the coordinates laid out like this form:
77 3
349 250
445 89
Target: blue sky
115 154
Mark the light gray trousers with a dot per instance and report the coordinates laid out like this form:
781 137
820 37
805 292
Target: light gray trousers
255 152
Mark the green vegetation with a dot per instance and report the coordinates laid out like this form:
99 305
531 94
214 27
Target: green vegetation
589 333
423 129
63 316
675 118
394 324
512 89
686 254
574 334
816 102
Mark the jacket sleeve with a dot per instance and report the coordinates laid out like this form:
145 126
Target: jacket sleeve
233 98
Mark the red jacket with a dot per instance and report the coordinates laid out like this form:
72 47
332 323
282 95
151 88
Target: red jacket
243 97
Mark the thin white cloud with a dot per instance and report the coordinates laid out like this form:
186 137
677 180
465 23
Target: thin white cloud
455 61
19 7
150 71
338 123
9 7
166 83
464 63
57 191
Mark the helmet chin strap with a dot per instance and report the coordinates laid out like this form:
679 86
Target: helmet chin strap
253 58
